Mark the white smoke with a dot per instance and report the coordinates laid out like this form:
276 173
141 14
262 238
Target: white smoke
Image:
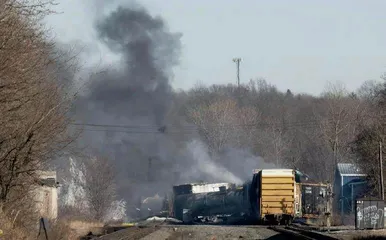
231 165
242 162
205 167
72 194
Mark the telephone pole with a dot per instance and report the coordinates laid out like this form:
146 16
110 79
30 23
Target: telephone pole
149 168
237 61
329 196
381 171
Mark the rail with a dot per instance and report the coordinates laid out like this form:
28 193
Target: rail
301 233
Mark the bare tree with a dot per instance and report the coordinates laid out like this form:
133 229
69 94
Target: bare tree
99 186
373 131
366 148
273 140
32 105
223 123
337 116
296 130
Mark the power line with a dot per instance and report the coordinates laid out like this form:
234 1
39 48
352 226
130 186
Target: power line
119 126
155 127
289 123
150 127
176 129
133 132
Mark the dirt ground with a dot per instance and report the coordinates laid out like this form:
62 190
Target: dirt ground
213 232
195 232
131 233
361 234
163 231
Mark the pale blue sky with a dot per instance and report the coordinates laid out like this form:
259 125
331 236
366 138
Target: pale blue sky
296 44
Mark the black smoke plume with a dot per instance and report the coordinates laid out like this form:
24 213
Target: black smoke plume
137 93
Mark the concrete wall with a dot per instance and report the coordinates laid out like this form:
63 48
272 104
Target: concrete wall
46 197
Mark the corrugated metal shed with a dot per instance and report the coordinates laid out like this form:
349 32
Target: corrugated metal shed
346 194
349 169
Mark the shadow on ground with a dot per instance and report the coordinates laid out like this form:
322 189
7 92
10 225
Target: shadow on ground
282 237
370 238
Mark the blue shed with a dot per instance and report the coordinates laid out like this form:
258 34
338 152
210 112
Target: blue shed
349 180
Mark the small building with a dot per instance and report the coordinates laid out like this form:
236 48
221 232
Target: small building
46 195
348 185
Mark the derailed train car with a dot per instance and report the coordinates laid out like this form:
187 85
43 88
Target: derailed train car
268 197
276 195
273 195
222 205
313 199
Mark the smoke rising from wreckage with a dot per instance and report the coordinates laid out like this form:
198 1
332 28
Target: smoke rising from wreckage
137 92
272 196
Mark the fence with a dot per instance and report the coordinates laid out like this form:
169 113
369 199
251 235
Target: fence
369 214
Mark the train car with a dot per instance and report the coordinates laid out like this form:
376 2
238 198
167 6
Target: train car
276 195
223 205
207 202
268 197
313 199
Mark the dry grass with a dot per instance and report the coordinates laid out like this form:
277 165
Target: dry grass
10 230
58 230
61 230
12 233
81 228
71 230
319 221
336 220
82 224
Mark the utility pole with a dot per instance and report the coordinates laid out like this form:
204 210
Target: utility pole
329 196
149 176
237 61
381 171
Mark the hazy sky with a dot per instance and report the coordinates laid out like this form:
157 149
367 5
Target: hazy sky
295 44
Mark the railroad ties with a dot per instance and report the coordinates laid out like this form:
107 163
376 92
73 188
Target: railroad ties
300 233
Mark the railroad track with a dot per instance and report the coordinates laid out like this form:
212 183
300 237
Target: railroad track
300 233
285 232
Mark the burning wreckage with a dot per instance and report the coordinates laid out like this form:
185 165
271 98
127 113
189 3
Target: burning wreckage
271 196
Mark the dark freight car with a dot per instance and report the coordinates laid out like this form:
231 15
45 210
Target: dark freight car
225 204
313 199
269 197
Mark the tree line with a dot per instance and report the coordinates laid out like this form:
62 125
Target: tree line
310 133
